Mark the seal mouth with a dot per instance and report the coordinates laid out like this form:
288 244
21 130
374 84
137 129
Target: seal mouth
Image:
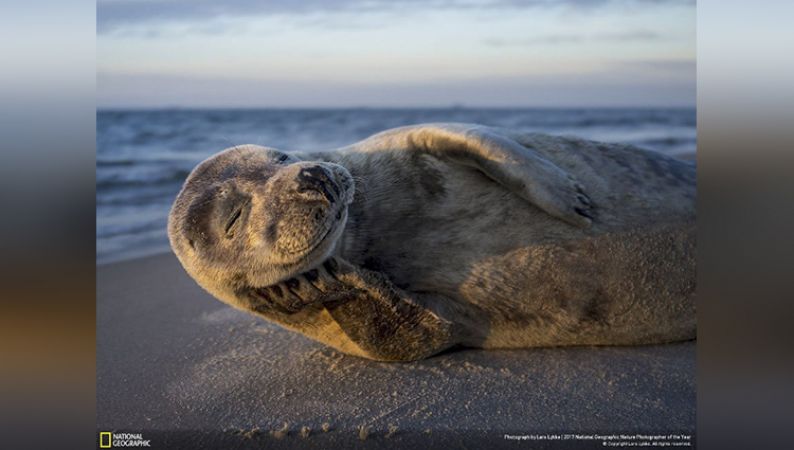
338 197
339 217
331 224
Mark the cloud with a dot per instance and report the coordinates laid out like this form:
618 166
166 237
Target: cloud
116 14
554 39
537 40
681 65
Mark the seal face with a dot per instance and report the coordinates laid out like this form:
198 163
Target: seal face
256 215
453 234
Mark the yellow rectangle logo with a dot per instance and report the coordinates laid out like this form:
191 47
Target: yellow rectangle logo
105 437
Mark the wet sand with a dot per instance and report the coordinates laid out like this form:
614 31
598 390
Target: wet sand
187 371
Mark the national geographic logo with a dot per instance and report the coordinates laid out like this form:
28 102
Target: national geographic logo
109 439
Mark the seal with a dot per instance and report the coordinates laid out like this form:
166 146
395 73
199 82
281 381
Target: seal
427 237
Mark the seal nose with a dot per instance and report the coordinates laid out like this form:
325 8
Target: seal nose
316 178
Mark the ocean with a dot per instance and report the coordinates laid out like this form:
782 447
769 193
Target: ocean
144 156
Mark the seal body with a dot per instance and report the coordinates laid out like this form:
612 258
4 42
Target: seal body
481 237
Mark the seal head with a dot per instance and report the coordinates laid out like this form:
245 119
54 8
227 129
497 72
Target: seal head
254 216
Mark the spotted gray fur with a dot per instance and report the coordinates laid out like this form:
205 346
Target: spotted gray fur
423 238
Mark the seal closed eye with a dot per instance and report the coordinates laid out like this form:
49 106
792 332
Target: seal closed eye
422 238
233 220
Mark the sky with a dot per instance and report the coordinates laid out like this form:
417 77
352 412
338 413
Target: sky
399 53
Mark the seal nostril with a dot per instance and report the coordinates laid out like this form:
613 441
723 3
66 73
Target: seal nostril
317 179
338 215
318 215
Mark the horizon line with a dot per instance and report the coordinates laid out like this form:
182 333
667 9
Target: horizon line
385 107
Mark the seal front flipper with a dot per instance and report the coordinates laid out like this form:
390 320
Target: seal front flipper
385 322
520 169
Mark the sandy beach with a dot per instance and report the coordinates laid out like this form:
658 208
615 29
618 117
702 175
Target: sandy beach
188 371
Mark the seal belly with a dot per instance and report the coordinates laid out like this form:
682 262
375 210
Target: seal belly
625 288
